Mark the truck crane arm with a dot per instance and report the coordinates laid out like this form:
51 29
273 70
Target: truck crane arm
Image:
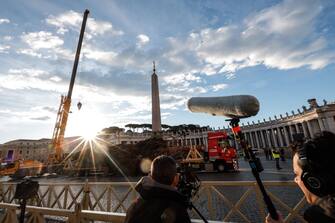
65 104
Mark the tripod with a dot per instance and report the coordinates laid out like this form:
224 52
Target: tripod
198 212
24 191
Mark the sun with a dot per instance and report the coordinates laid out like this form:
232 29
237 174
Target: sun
85 124
89 134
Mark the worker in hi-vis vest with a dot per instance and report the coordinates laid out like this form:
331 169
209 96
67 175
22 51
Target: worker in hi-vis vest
276 156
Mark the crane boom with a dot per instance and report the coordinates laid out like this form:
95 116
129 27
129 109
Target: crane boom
65 104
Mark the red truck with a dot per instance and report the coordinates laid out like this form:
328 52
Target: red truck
219 155
220 152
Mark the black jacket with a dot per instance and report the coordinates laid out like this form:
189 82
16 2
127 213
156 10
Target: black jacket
322 212
157 203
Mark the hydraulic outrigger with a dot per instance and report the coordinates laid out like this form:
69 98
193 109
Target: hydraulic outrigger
65 104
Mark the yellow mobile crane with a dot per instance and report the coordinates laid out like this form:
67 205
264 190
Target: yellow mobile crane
65 104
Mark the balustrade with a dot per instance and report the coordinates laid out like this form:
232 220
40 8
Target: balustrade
108 201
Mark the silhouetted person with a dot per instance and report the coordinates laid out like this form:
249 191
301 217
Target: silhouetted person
282 154
314 168
159 200
266 152
276 156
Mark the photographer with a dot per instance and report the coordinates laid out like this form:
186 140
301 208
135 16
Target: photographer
159 199
314 168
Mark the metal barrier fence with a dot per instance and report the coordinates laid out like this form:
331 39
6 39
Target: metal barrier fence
107 201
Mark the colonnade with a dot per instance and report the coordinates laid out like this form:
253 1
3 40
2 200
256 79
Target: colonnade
281 135
191 139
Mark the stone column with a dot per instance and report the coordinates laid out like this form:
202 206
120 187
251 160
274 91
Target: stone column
306 134
286 136
274 138
280 137
268 132
253 140
245 136
249 138
291 130
257 139
322 127
310 129
297 128
331 124
263 139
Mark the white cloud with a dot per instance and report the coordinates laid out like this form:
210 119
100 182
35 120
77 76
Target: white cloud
73 20
7 38
197 90
91 52
218 87
36 113
4 49
181 79
142 40
22 82
28 72
29 52
55 78
45 45
27 79
4 21
172 101
283 36
41 40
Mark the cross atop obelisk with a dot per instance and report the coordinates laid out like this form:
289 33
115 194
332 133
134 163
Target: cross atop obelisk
156 111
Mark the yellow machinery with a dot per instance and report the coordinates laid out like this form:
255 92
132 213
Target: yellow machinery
193 159
65 104
22 168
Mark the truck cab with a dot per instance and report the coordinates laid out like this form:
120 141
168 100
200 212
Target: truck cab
220 151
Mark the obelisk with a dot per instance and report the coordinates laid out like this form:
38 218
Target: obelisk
156 111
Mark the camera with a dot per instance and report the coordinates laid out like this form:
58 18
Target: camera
189 184
26 190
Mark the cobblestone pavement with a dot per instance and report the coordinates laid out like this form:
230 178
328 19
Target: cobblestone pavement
270 172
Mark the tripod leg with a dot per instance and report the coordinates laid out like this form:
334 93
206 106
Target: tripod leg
23 204
198 212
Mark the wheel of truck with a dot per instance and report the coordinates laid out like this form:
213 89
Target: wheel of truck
220 167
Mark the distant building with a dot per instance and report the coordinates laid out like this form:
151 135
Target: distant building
277 132
29 149
187 138
25 149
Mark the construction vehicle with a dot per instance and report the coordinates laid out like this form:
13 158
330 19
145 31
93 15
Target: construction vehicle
219 155
57 157
21 168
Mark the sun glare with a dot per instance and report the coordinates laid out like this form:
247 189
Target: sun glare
89 134
85 124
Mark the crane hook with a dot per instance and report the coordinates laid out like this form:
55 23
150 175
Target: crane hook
79 105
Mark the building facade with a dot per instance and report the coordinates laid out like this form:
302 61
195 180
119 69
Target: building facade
25 149
29 149
278 132
187 138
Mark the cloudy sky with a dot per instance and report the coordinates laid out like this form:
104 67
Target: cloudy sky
282 52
